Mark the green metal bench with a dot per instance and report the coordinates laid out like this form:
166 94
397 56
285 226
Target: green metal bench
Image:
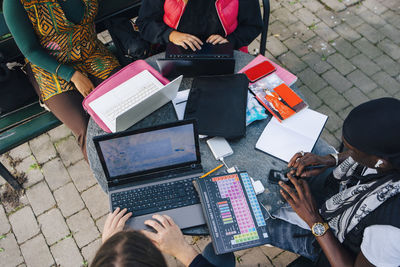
30 121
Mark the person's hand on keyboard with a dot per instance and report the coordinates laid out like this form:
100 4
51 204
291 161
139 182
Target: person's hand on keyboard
169 239
115 223
216 39
185 40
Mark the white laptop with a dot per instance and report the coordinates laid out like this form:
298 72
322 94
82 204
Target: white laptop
133 100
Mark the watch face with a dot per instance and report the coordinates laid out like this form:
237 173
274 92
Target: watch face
319 229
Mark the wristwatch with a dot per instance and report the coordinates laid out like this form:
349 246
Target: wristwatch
319 229
336 157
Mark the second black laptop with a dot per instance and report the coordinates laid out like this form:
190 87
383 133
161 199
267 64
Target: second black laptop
207 51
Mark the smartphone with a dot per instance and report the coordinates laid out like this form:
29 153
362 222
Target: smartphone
260 70
275 177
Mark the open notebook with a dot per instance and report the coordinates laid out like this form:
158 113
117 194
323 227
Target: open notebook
300 132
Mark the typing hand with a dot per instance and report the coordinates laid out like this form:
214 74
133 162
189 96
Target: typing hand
169 238
185 40
82 83
216 39
115 223
301 160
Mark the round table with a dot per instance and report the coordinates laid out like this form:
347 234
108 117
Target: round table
245 156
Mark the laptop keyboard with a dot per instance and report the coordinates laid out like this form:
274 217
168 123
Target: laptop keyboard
156 198
131 101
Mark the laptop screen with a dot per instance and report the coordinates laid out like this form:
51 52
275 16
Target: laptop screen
148 150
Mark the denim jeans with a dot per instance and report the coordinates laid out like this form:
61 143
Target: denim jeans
223 260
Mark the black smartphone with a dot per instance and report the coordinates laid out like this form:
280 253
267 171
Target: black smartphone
276 176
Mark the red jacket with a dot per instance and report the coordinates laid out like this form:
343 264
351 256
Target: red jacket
227 11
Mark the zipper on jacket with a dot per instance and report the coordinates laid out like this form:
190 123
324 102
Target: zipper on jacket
226 32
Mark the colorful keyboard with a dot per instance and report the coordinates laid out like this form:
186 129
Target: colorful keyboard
233 213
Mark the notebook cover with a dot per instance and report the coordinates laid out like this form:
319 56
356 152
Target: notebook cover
116 79
286 76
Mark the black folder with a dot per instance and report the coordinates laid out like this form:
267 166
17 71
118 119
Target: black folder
219 105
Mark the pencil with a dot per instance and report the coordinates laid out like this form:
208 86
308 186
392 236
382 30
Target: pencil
213 170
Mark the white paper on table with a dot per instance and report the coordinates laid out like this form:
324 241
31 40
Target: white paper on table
180 103
297 133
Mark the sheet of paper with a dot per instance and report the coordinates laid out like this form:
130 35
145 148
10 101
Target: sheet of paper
299 132
180 103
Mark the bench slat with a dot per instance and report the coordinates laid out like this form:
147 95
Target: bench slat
19 116
26 131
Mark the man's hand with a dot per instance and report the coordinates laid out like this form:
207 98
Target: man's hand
115 223
301 200
216 39
185 40
301 160
169 238
82 83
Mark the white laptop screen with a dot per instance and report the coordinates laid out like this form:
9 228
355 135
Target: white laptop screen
149 150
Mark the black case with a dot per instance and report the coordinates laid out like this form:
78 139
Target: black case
219 105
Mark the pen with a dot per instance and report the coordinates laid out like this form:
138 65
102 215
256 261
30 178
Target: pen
213 170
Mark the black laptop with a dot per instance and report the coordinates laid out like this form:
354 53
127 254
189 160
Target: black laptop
151 171
207 51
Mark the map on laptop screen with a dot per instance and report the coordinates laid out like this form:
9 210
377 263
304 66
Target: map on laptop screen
150 150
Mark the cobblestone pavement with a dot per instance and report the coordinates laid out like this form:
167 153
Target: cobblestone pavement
344 53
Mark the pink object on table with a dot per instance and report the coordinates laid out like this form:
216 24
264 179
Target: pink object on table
116 79
287 77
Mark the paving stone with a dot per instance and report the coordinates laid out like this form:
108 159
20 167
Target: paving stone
254 257
53 226
42 148
312 80
334 4
346 32
372 19
313 6
388 65
296 46
378 93
392 4
40 198
336 80
68 199
24 224
345 48
100 223
330 18
370 33
83 228
31 168
66 253
90 250
391 32
316 62
350 18
11 255
285 258
21 151
355 96
392 18
82 175
306 17
291 5
274 4
69 150
4 224
96 201
310 97
341 63
321 47
334 100
365 64
292 62
59 132
361 81
55 173
275 47
374 6
280 31
299 30
388 83
367 48
4 159
343 113
325 32
271 251
390 48
36 252
171 261
285 16
330 139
